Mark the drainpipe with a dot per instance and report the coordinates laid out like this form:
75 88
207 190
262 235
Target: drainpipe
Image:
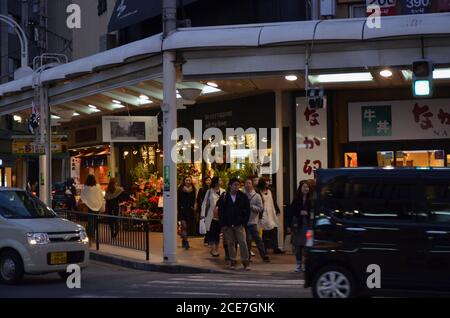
169 109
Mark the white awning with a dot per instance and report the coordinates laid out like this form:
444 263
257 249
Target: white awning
149 46
247 36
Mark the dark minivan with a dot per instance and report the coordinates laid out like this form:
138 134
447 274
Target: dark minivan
380 231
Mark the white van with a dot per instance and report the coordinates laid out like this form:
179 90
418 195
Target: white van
34 240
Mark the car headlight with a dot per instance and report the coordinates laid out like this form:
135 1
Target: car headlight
38 238
84 237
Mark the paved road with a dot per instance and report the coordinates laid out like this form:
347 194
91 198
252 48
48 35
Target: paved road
104 281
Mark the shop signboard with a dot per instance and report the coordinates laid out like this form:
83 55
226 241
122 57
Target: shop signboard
130 129
312 143
443 5
27 145
388 7
416 6
399 120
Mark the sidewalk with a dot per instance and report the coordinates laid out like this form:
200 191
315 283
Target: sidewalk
196 260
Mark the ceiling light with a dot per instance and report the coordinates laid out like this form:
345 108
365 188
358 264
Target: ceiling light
144 97
55 117
441 73
210 90
407 75
92 107
386 73
17 118
212 84
291 78
341 78
76 114
118 102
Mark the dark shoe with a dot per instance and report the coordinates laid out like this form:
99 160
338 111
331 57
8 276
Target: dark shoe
266 259
278 251
187 246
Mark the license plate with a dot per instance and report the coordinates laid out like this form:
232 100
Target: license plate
58 258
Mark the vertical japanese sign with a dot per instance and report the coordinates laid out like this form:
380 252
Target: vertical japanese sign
388 7
312 143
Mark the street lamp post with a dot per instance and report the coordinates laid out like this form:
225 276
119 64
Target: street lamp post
169 109
24 69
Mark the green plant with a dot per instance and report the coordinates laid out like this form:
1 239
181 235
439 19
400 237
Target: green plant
142 172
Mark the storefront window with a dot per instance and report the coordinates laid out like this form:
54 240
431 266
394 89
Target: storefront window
243 150
385 158
421 158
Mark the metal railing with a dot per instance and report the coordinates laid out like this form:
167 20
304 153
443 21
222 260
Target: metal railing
124 232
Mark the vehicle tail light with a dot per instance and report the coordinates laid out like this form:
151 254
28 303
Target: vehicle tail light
310 238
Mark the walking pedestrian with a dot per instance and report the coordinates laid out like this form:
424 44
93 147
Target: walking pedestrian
186 203
269 220
209 214
298 219
70 193
234 212
256 209
206 184
92 197
114 196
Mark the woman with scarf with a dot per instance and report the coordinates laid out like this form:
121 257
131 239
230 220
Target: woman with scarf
186 202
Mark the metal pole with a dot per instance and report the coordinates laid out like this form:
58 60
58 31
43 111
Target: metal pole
314 10
22 38
169 109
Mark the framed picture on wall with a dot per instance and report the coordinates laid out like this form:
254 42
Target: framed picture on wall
130 129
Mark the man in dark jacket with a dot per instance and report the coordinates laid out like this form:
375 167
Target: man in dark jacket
234 214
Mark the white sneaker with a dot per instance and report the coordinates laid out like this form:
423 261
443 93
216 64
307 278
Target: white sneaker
298 269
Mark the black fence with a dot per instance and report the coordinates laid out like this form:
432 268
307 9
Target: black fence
117 231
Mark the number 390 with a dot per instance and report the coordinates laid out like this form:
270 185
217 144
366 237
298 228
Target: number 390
417 3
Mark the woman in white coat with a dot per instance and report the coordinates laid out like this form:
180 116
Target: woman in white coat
92 198
210 218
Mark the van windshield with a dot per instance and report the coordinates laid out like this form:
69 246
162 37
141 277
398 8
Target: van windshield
23 205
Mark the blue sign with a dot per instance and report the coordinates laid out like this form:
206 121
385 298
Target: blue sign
416 6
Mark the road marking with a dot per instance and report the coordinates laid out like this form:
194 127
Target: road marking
262 282
198 294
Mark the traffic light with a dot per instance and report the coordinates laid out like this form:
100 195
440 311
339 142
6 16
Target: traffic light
422 78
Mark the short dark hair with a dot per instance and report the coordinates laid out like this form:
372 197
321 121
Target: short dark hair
233 180
90 181
214 182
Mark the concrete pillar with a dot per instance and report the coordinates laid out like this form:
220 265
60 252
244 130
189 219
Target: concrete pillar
169 109
279 175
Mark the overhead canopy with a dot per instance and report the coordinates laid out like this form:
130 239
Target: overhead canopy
126 72
130 12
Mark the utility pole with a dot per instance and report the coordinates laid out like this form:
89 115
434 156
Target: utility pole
169 108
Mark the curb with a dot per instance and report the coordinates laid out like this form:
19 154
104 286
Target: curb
149 267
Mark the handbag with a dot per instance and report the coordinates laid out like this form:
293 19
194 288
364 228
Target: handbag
289 247
202 229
